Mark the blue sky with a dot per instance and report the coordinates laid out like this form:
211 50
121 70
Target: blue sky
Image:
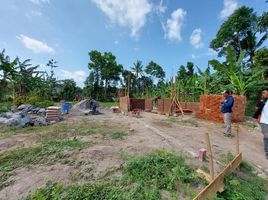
169 32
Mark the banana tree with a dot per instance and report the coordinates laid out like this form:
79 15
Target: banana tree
243 82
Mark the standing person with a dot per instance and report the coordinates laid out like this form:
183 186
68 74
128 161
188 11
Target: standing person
226 109
259 107
264 121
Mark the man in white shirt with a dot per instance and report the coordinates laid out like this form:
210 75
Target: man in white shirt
264 121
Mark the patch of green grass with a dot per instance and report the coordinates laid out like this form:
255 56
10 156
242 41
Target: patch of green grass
108 104
243 184
161 168
144 177
118 134
37 130
47 153
246 187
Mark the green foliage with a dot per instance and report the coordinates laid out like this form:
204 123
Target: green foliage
104 72
155 70
240 30
245 187
68 90
238 79
43 104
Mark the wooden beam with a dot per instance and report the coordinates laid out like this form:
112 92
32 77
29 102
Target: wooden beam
217 185
204 175
210 156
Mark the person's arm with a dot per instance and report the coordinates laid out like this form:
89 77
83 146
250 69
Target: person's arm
229 103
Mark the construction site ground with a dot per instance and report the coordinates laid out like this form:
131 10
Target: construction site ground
132 136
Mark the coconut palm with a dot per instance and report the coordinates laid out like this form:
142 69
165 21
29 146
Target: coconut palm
137 69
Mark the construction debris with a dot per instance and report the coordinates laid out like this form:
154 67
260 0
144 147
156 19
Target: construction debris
85 107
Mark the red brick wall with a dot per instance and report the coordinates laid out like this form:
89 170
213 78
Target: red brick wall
210 108
164 106
137 104
148 105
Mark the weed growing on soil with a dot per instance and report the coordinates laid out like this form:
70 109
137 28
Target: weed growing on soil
118 134
244 184
244 187
47 153
144 177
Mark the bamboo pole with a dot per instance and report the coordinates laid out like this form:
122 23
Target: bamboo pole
210 156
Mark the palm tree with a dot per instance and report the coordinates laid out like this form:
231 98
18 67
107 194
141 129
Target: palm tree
137 69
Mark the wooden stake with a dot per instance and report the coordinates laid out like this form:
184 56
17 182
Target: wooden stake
128 85
210 156
128 93
237 140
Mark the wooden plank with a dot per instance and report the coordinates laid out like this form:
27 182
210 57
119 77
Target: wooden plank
203 175
217 184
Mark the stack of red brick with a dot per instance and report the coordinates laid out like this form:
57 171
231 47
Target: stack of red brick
210 108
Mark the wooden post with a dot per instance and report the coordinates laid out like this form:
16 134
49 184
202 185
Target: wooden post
237 140
128 93
210 156
128 85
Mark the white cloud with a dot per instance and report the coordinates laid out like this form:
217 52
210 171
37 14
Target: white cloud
78 76
34 13
229 7
38 2
116 42
131 13
196 38
174 25
35 45
160 8
211 52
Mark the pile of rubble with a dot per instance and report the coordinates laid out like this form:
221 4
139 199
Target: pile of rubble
24 115
84 107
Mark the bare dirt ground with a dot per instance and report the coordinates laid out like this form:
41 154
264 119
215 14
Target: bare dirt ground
147 133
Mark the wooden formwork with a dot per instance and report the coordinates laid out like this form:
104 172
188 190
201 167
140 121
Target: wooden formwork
217 184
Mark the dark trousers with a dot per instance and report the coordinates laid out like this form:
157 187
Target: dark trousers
264 128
